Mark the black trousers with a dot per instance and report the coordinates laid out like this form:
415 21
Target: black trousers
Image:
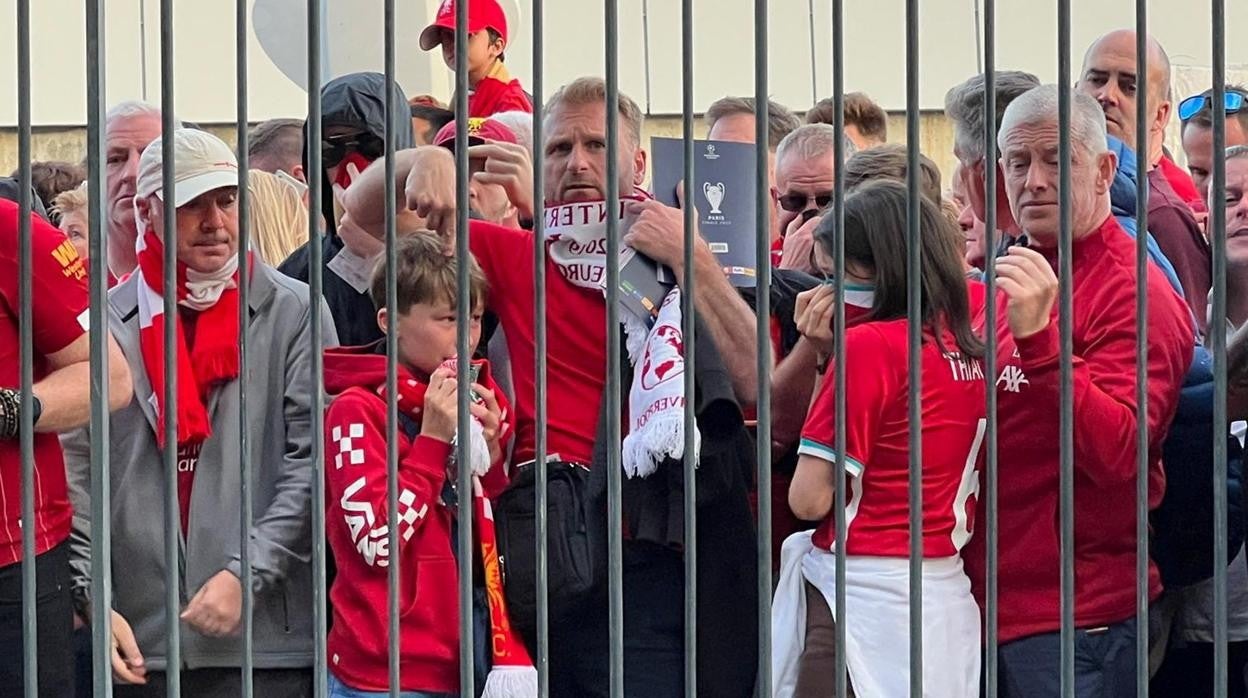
654 605
225 683
1187 671
55 620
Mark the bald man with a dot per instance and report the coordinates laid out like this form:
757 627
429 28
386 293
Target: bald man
1109 76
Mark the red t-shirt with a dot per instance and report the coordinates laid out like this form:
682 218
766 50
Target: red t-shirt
576 350
1105 416
188 456
877 442
492 96
59 305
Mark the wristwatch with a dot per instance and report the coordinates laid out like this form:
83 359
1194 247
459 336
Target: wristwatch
36 408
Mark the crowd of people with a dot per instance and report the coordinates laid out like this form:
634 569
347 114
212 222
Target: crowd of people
361 306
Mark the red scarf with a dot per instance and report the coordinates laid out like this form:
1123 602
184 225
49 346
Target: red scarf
212 360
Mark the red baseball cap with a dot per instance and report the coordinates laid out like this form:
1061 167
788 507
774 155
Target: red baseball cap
480 130
482 14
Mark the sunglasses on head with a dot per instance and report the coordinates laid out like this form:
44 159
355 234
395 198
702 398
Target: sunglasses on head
335 149
796 203
1193 105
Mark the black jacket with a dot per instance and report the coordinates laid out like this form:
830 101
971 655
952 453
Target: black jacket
785 285
357 100
727 539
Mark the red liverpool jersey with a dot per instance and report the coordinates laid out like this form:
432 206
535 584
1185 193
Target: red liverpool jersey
877 442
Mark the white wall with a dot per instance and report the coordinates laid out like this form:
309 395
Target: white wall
723 62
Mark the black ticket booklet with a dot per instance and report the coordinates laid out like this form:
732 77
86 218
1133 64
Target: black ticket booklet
723 195
642 287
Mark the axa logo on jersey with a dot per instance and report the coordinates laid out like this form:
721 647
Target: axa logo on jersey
1012 379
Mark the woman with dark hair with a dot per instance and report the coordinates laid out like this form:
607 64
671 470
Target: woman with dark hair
877 454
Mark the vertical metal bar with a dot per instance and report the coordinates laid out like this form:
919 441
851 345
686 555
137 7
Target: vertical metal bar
26 347
394 569
1141 355
615 542
990 341
814 63
979 43
539 370
762 313
914 322
688 333
244 317
1218 241
542 659
101 489
463 327
645 46
173 527
316 261
838 334
1066 393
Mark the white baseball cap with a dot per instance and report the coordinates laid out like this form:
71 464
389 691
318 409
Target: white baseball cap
201 162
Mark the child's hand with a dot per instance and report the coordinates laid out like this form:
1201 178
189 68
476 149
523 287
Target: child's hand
441 412
488 412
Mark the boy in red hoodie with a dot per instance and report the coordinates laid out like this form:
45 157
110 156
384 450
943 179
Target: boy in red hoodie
356 495
491 88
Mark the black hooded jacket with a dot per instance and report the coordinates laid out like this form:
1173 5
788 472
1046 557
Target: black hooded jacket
357 100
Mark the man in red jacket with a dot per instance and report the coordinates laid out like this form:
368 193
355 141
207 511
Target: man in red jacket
1105 410
491 87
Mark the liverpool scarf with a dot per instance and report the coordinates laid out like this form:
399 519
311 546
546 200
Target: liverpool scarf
577 234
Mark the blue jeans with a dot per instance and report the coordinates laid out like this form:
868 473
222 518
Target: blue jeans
338 689
1104 664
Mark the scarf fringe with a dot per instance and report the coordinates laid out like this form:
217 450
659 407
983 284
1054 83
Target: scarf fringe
215 367
193 427
660 439
511 682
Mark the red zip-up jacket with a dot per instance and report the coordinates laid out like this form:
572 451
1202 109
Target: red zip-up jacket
1105 414
355 524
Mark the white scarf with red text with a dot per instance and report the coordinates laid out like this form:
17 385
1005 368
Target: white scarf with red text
577 236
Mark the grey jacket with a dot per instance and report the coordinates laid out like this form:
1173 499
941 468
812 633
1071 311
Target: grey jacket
279 403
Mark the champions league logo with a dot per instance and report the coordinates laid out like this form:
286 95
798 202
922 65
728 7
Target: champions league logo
714 194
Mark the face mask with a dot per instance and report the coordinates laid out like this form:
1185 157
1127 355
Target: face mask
353 162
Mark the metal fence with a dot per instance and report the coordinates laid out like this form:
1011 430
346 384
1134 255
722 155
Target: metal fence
101 587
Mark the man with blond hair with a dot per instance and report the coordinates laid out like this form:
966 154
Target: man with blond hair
576 171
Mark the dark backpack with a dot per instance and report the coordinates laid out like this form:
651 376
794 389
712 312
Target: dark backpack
1182 540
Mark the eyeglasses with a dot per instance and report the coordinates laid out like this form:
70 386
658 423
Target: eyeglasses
796 203
333 150
1192 106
